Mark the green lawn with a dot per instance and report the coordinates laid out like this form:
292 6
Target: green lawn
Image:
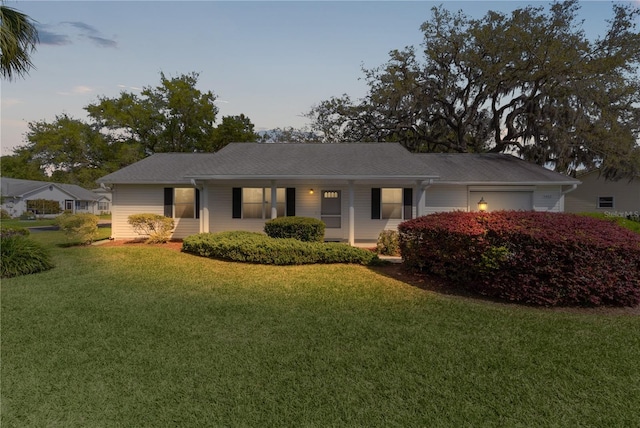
146 336
15 222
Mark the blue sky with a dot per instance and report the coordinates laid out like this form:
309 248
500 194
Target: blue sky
270 60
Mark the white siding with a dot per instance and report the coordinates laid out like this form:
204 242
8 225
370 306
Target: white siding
625 193
307 205
130 199
441 198
505 200
138 199
548 198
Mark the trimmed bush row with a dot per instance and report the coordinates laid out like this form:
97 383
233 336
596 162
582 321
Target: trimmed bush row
254 247
549 259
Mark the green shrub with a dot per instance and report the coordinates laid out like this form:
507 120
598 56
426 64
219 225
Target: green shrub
542 258
22 256
388 243
27 215
259 248
81 228
4 214
305 229
6 231
155 227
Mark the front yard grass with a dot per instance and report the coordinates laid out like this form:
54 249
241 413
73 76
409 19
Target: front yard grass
146 336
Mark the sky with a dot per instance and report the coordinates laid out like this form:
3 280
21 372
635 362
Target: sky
272 61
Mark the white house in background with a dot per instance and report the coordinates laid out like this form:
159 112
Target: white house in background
357 189
17 193
596 194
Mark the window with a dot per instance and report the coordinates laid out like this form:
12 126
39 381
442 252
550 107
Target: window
82 205
103 206
181 202
605 201
391 203
255 202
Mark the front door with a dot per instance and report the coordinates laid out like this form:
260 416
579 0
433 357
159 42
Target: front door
68 205
331 213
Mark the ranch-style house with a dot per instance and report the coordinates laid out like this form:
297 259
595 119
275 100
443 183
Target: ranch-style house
357 189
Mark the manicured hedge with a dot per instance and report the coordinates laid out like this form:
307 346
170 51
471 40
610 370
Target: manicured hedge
305 229
259 248
532 257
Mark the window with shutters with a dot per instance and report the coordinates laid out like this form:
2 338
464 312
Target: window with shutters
391 203
181 202
255 202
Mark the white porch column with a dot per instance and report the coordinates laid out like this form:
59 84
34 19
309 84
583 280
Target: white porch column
352 214
420 199
274 199
204 202
421 191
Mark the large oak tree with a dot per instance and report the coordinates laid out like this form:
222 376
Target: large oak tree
529 82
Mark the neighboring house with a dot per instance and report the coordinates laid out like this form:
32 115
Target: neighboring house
357 189
596 194
104 203
16 195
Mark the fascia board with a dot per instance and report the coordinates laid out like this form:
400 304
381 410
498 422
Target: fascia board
312 177
509 183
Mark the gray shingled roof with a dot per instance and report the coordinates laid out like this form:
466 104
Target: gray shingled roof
489 168
14 187
160 168
350 161
284 160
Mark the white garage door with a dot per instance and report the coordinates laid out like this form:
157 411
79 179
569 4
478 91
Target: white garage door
502 200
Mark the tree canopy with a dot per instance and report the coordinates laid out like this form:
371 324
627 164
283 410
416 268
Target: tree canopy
18 39
174 116
529 82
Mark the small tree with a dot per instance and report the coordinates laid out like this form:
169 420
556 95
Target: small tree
155 227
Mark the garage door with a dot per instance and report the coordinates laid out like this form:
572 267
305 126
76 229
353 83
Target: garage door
502 200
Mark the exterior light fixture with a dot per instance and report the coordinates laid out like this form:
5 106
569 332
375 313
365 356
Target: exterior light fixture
482 205
311 191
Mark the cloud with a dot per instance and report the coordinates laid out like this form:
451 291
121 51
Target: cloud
81 89
77 90
47 37
59 34
135 88
91 33
8 102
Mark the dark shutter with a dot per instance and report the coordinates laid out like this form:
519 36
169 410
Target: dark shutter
291 202
237 203
197 203
168 202
407 201
375 203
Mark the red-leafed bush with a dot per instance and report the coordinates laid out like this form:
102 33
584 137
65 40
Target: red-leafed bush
550 259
